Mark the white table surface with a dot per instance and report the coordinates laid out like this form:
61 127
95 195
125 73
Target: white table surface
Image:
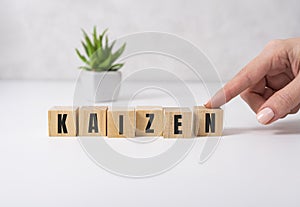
252 165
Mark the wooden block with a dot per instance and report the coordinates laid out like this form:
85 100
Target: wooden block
177 122
92 121
121 122
208 122
149 121
63 121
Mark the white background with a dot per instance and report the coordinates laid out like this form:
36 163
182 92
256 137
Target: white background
37 38
253 165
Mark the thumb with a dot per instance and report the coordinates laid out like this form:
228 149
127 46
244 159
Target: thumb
280 103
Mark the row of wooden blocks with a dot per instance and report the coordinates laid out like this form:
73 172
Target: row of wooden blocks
169 122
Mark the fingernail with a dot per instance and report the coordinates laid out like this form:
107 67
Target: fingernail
265 115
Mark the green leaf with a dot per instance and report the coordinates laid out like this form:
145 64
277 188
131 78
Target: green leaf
118 53
97 58
101 37
85 68
99 69
81 56
112 45
93 61
106 63
85 48
95 38
106 42
98 52
89 44
98 43
95 35
116 67
105 53
103 33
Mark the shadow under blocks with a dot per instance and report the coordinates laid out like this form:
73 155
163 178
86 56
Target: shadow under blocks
129 122
284 127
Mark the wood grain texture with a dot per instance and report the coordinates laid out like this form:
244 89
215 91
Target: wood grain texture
121 122
63 121
208 122
92 121
149 121
177 122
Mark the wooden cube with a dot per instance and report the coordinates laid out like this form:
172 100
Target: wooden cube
63 121
208 122
149 121
92 121
177 122
121 122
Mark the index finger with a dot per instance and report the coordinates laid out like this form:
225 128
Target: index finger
251 74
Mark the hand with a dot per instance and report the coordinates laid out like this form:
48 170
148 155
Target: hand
269 84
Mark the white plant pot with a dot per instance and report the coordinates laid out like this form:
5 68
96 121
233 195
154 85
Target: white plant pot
100 86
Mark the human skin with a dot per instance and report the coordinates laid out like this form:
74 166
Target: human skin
269 84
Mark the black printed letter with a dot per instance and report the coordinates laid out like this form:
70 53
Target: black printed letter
148 127
121 124
93 123
177 124
210 122
62 123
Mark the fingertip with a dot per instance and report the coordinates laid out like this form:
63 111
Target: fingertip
208 104
216 101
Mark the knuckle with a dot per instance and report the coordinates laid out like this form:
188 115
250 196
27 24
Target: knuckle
244 95
285 100
274 44
274 49
248 78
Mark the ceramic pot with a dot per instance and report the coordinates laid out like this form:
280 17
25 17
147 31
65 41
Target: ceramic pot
100 86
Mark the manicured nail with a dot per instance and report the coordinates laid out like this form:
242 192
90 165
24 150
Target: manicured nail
265 115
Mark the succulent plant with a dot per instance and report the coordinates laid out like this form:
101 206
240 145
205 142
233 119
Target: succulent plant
99 54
